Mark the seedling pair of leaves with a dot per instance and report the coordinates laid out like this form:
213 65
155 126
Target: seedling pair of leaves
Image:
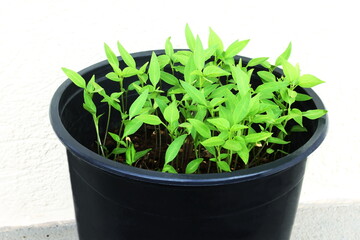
210 105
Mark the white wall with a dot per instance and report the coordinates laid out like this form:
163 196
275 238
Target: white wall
39 37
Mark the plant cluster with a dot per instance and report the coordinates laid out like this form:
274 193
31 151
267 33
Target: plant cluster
200 105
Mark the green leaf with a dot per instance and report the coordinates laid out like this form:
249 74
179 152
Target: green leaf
298 128
200 127
135 86
130 71
154 70
257 137
76 78
270 150
88 103
213 141
292 93
131 127
309 81
128 59
190 39
209 52
182 57
171 113
214 40
271 87
140 154
169 78
280 119
277 140
267 76
113 77
267 105
254 105
221 91
194 93
115 95
224 135
187 126
201 113
149 119
161 102
242 79
284 56
291 72
93 87
112 59
143 67
288 95
220 123
193 165
238 127
115 137
314 114
163 61
118 151
130 154
217 101
256 61
260 118
199 58
214 71
235 48
174 148
189 68
169 50
244 151
143 78
169 169
224 166
226 113
297 115
281 128
210 88
302 97
232 145
242 108
138 104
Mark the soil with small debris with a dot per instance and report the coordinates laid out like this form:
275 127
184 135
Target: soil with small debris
147 137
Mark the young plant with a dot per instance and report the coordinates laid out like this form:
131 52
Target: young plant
199 110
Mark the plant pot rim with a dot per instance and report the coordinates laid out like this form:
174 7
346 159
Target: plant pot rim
151 176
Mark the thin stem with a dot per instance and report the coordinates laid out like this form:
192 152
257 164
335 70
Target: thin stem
156 143
230 153
218 158
122 95
159 131
185 153
256 157
107 124
120 131
236 161
209 167
98 134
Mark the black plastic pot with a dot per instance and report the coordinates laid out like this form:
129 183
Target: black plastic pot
116 201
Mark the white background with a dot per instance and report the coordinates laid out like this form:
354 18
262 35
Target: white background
39 37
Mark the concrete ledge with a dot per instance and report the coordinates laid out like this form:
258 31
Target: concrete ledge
313 222
47 231
327 222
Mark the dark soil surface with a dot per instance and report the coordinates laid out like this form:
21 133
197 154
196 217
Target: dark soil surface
147 137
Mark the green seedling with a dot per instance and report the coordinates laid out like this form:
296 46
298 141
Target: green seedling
209 118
